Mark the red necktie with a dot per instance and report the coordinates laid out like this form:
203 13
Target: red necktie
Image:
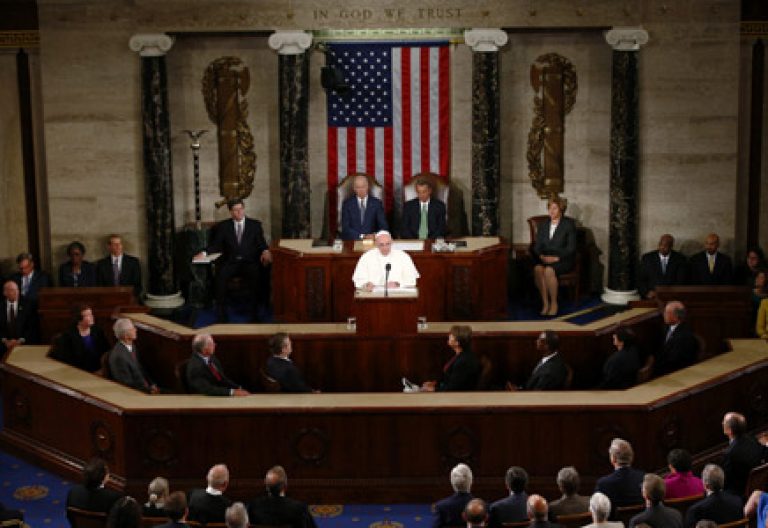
214 371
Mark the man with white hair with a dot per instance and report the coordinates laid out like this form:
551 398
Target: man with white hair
623 485
204 373
600 508
236 516
124 366
361 214
449 511
719 505
680 347
744 453
384 265
209 505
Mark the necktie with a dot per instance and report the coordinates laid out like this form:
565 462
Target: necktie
239 232
214 370
11 320
711 259
664 265
362 210
669 334
423 229
115 272
24 284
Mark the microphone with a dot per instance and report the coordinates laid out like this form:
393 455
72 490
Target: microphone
386 279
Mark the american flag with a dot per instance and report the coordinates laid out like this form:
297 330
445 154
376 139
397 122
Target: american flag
394 122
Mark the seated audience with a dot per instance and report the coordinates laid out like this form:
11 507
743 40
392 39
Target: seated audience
118 268
710 267
82 345
462 371
176 510
555 252
744 452
236 516
512 508
622 486
423 216
681 482
663 267
77 272
384 265
745 273
570 502
124 365
449 511
275 509
18 321
208 505
551 373
719 505
204 372
157 493
680 347
620 369
30 279
600 508
757 505
538 513
280 367
126 513
92 494
656 514
761 325
362 214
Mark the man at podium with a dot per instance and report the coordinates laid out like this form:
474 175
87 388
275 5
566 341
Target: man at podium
383 265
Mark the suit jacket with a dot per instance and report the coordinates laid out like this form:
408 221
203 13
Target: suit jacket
568 506
649 274
130 273
513 508
205 508
69 348
543 524
96 500
622 486
462 374
173 524
87 276
287 374
562 244
280 511
658 516
127 370
412 219
201 379
26 322
40 279
679 351
699 269
743 454
448 510
352 227
720 506
620 369
552 375
224 241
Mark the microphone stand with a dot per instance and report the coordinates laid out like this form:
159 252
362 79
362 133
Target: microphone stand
386 279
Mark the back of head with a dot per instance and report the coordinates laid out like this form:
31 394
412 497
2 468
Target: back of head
600 507
653 488
125 513
476 512
680 459
236 516
276 481
568 480
94 473
713 477
516 479
626 335
218 477
176 505
736 423
461 478
538 508
621 452
158 490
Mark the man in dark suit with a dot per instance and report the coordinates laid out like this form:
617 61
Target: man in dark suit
281 368
623 485
209 505
450 510
92 495
551 373
204 373
744 453
175 508
680 347
512 508
30 279
244 253
656 514
275 509
424 216
18 324
663 267
119 269
124 366
710 267
362 215
719 505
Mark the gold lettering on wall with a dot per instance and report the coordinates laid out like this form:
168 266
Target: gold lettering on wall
366 14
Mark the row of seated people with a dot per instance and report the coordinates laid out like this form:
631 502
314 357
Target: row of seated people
717 496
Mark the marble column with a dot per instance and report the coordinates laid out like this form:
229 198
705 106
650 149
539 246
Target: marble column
622 235
486 164
291 47
161 287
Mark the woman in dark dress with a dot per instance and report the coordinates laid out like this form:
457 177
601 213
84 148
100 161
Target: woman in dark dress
620 369
83 344
555 251
77 272
462 371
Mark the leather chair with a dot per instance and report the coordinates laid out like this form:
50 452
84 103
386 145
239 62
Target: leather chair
440 188
570 280
345 189
269 383
574 520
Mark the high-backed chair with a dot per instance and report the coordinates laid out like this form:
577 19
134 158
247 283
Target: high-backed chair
440 188
345 189
574 520
86 519
269 383
570 280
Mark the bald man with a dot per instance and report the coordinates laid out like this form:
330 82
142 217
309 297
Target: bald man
664 267
274 508
538 513
710 267
476 513
209 505
680 347
744 453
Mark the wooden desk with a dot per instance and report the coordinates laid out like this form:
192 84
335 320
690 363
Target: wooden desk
315 284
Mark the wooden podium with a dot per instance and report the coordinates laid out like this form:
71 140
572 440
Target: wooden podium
380 315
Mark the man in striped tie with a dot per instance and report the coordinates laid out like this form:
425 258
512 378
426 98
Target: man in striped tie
204 374
424 216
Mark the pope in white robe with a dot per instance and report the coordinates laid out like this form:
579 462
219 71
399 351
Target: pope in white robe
371 268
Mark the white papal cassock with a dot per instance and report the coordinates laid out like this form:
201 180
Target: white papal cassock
372 268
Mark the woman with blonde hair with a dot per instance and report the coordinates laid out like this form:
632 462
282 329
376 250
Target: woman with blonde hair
158 491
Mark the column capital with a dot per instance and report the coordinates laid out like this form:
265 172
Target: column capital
151 44
290 42
485 39
626 38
